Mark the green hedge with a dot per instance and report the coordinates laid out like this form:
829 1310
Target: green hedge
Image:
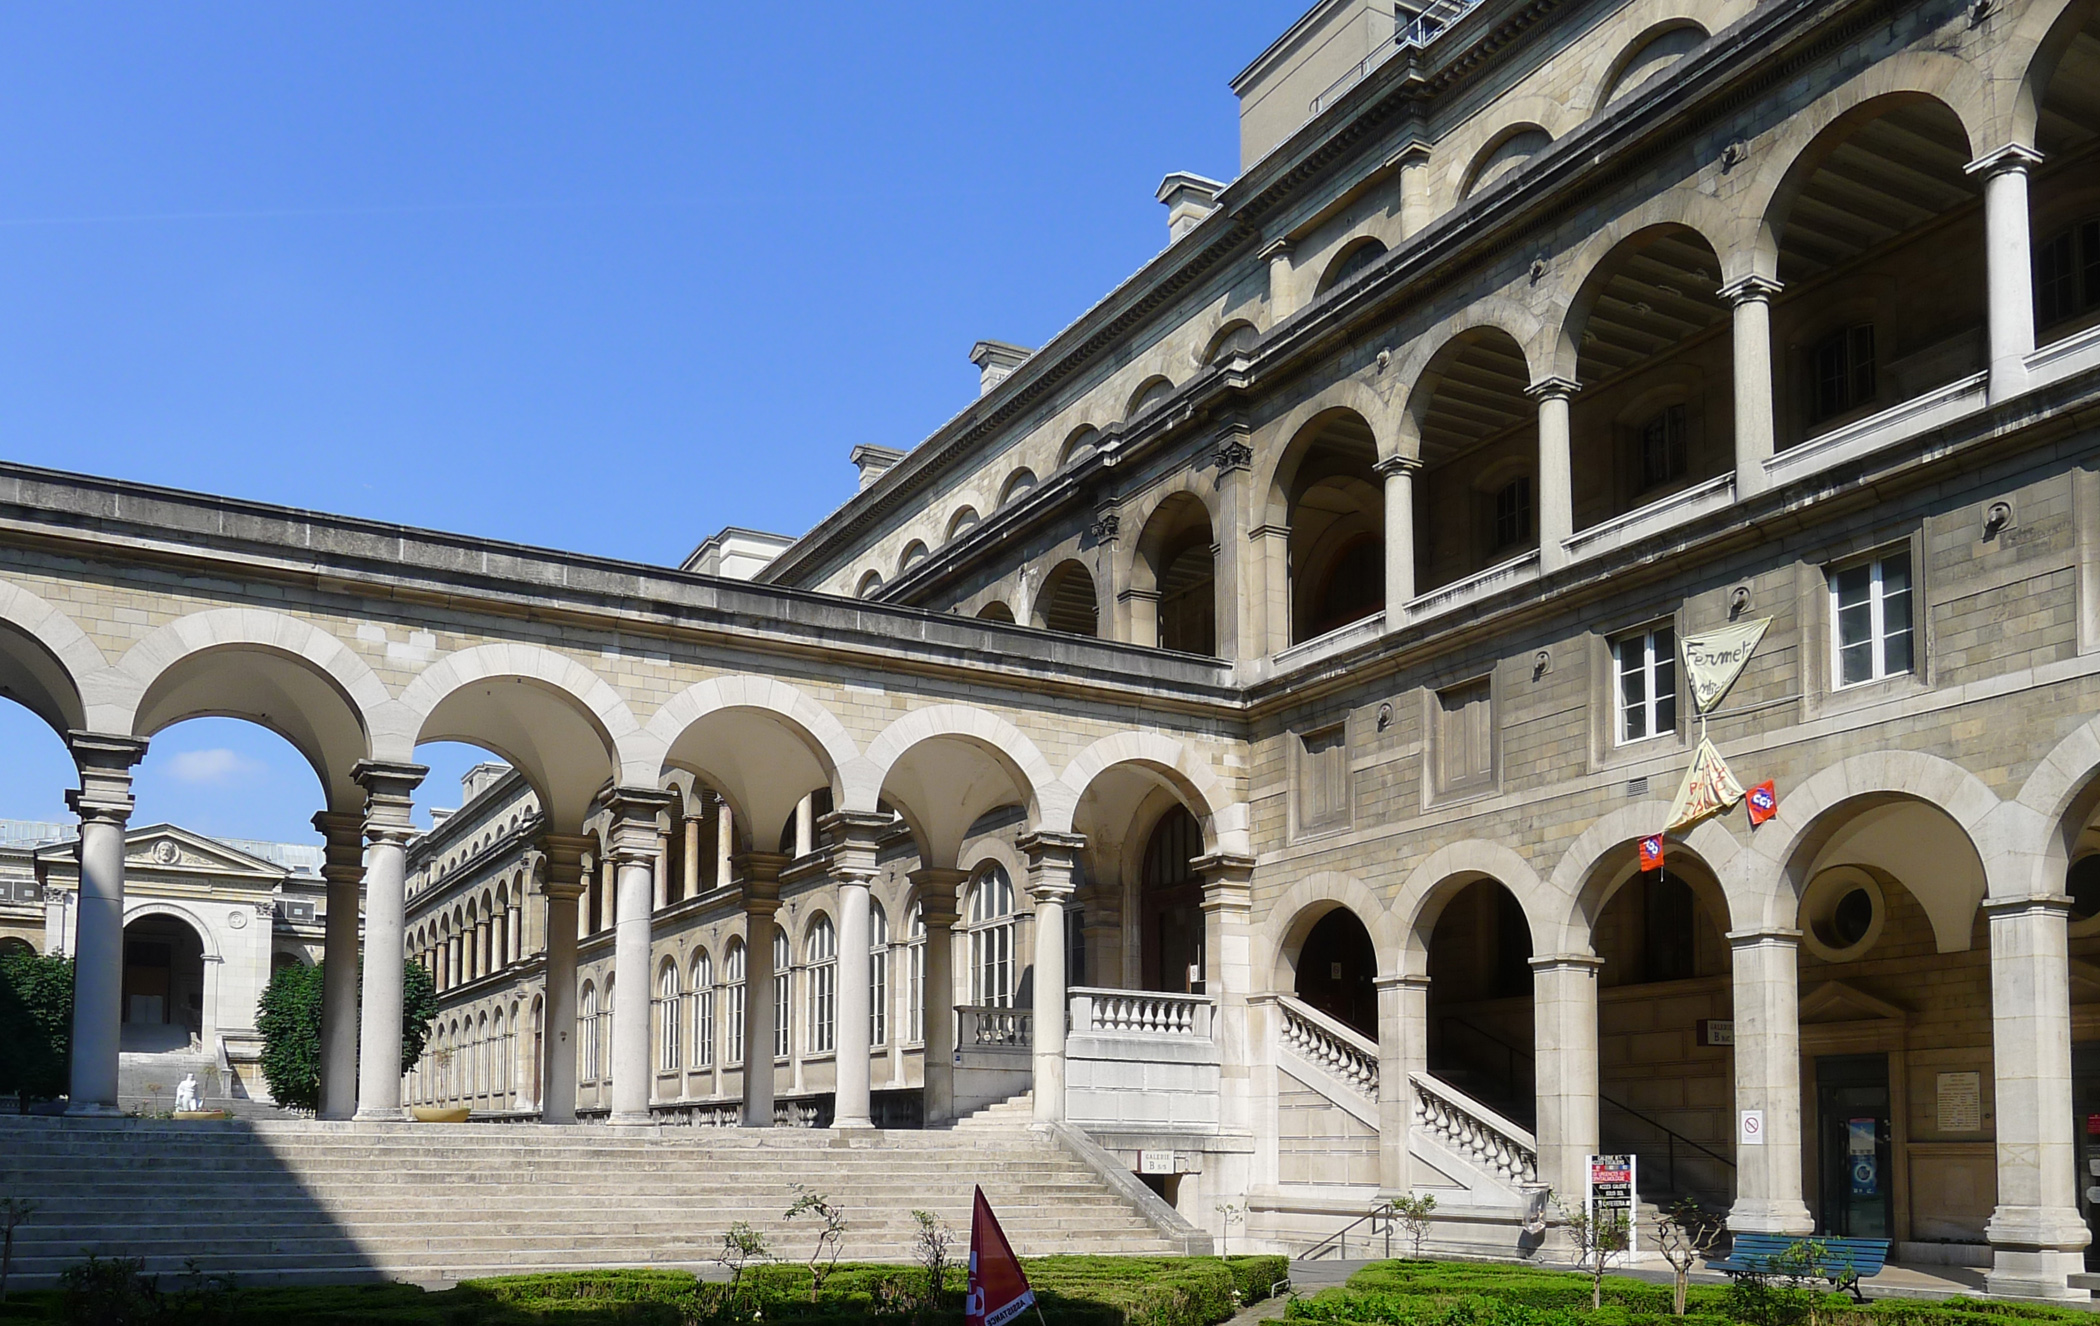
1410 1293
1073 1291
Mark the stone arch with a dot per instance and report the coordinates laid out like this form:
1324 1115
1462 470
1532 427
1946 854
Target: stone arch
1672 36
270 669
1068 601
761 742
942 768
1168 763
1581 879
913 554
1791 157
1502 155
1763 881
2034 48
1591 263
870 582
1452 868
1275 463
538 710
1081 442
1304 904
135 912
1016 485
49 664
2032 835
960 523
1148 395
1234 334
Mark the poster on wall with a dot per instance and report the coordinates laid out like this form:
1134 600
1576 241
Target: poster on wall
1862 1156
1961 1102
1610 1189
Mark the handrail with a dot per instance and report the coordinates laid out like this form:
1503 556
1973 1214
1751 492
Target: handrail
1340 1237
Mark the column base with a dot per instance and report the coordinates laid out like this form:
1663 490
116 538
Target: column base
632 1120
2036 1273
1755 1215
395 1115
863 1124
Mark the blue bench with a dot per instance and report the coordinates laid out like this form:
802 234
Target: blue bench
1842 1262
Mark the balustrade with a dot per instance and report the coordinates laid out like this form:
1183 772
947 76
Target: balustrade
983 1024
1328 1044
1140 1013
1475 1132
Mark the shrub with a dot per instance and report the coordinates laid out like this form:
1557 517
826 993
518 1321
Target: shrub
36 1026
288 1016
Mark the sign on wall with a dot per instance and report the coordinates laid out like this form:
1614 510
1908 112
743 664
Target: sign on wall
1961 1102
1750 1130
1610 1190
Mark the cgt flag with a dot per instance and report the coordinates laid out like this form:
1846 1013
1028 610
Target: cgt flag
1764 802
999 1289
1652 852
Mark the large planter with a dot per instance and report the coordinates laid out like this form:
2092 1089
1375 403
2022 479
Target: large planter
439 1113
193 1116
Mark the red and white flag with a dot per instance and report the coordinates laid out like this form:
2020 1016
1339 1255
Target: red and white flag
999 1289
1652 852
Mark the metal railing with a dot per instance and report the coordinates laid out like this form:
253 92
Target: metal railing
1381 1218
1413 35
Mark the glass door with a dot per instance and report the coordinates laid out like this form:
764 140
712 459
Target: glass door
1853 1154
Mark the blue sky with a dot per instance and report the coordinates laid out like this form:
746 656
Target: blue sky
602 278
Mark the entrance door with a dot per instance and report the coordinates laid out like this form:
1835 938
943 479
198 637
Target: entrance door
1853 1153
148 985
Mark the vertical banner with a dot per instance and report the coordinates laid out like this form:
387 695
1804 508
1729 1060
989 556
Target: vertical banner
999 1289
1610 1189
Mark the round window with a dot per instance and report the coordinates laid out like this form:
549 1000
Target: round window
1842 914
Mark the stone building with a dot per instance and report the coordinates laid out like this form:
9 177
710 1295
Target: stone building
206 923
1233 735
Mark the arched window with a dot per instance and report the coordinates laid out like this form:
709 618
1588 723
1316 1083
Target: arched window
995 611
992 938
1067 601
878 974
963 521
481 1056
1235 339
1018 484
1353 262
915 980
821 950
733 1003
703 1011
1149 396
670 1027
914 553
1170 905
587 1017
783 993
869 583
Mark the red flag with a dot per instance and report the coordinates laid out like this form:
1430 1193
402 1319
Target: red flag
1764 802
999 1289
1652 852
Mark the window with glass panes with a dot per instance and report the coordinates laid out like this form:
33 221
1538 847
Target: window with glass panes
1513 513
783 994
1647 667
1841 370
733 1001
878 974
822 951
992 939
587 1016
2067 273
1871 607
670 1026
1664 457
703 1011
915 980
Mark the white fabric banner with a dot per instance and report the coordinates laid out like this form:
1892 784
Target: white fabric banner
1708 789
1713 660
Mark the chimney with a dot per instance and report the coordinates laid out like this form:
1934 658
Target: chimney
1189 199
874 462
996 361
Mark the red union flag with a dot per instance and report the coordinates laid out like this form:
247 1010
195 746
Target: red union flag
1764 802
999 1290
1652 852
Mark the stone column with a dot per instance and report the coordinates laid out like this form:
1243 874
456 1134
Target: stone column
937 889
1281 295
660 869
389 800
725 838
2037 1235
562 887
1564 997
1112 579
690 866
761 872
1555 496
638 859
1415 213
852 838
515 931
1228 978
1399 475
1272 562
1141 610
1233 566
1756 432
1403 1050
1051 858
104 804
343 867
1766 991
2008 265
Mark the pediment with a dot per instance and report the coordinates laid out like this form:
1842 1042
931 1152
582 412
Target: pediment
1835 1001
163 847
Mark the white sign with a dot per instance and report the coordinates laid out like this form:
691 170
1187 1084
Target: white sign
1713 660
1155 1162
1961 1102
1611 1187
1752 1129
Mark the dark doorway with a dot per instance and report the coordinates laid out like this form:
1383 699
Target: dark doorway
1337 970
1852 1125
1171 906
163 984
2085 1110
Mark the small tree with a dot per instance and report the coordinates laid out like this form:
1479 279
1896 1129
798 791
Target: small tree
14 1212
741 1246
1601 1238
1413 1212
289 1019
36 1026
831 1236
1686 1233
934 1241
1229 1214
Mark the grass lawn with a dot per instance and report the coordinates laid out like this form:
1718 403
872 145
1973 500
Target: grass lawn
1421 1293
1073 1291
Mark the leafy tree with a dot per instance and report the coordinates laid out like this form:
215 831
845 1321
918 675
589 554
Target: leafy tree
289 1019
36 1026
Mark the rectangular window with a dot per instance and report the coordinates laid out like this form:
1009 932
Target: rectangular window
1513 513
915 991
1842 367
823 1007
735 1029
1647 667
1465 737
2089 261
783 1004
1075 947
1871 604
703 1028
2056 278
1323 778
879 995
1663 453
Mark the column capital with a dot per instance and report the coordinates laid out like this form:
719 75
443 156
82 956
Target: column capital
1051 857
1998 161
390 789
104 761
1751 289
2031 902
760 874
1587 963
634 836
563 854
937 889
1553 389
852 838
1274 249
343 854
1760 936
1395 467
1408 981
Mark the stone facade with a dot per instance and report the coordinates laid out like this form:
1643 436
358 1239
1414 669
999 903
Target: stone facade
1258 694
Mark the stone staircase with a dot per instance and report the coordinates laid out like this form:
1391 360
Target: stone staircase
303 1201
1013 1112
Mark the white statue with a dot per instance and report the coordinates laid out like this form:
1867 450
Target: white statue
186 1094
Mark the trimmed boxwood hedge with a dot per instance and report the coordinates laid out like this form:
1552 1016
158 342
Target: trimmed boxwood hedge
1073 1291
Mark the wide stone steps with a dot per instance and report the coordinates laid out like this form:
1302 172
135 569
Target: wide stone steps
287 1201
